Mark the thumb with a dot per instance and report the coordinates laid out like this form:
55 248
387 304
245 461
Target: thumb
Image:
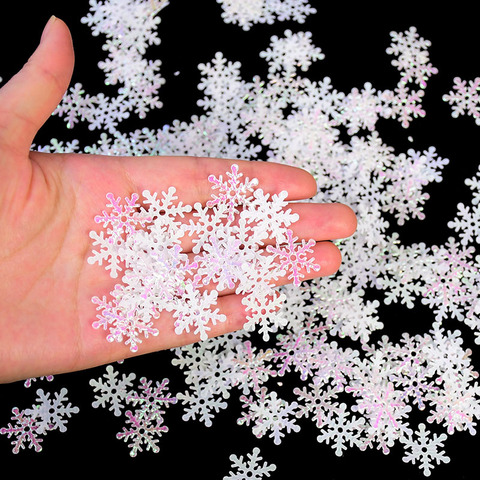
31 96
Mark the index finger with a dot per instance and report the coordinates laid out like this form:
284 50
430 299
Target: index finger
189 176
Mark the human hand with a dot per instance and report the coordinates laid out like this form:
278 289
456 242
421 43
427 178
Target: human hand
47 205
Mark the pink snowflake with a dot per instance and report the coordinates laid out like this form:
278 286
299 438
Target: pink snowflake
24 431
231 192
122 323
293 257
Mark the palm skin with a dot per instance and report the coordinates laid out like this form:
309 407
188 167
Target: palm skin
47 205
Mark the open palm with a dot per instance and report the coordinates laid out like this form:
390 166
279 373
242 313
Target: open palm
47 205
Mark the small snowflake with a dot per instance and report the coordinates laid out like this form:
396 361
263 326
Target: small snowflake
231 191
195 311
251 468
425 449
122 323
142 433
200 405
340 431
151 400
113 390
464 99
52 413
294 257
25 431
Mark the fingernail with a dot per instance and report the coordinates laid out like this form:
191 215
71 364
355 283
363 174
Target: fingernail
48 27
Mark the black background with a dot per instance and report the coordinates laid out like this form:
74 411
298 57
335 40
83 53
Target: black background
354 40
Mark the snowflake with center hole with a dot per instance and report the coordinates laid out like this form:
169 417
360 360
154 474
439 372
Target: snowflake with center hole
425 449
269 414
144 239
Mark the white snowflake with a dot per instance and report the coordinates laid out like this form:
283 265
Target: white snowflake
142 433
52 413
424 449
340 431
464 98
249 468
112 390
269 414
200 404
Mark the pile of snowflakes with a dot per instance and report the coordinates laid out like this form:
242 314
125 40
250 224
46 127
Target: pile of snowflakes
358 391
229 236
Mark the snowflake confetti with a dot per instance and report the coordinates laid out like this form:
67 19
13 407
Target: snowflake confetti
425 450
227 259
249 468
464 98
367 395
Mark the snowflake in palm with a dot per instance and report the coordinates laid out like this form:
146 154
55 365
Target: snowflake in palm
294 257
231 191
122 323
195 311
222 262
269 215
464 98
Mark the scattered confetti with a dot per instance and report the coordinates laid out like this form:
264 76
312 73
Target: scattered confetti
368 393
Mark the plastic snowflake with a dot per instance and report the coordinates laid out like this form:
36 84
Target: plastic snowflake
232 191
200 404
294 257
464 98
249 468
52 413
269 414
25 431
112 390
425 449
151 399
251 369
